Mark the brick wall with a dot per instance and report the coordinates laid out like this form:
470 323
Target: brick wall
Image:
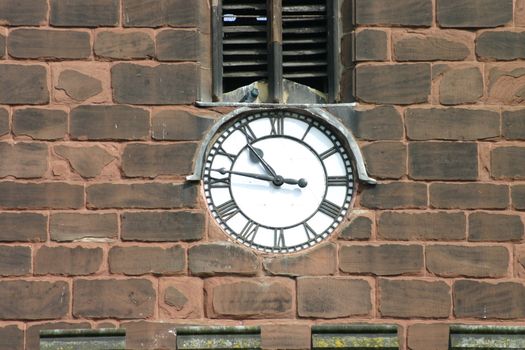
99 229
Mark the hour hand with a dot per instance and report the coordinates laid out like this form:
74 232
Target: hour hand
258 154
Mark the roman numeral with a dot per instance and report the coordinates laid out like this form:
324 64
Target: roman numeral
310 232
222 152
336 181
277 125
328 153
219 183
248 133
228 210
249 231
330 209
278 238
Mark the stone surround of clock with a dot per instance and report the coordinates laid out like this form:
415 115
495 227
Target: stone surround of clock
99 128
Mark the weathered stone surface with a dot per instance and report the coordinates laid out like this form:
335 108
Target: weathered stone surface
49 44
518 197
332 297
109 123
180 125
85 13
11 338
359 228
78 86
221 258
163 226
123 299
469 196
380 123
165 84
428 336
443 161
33 331
441 46
506 83
124 45
370 45
23 160
476 262
150 335
285 336
4 122
2 46
504 46
173 297
440 226
40 124
250 298
382 260
146 260
315 262
23 84
67 261
86 161
145 196
460 86
495 227
35 300
14 261
508 163
393 83
403 13
519 13
65 227
46 195
451 124
483 300
157 13
144 160
474 13
514 124
23 227
385 160
177 45
413 298
23 12
395 195
182 297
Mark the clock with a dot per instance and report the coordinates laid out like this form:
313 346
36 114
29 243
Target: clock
278 181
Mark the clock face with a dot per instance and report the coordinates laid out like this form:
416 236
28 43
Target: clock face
278 181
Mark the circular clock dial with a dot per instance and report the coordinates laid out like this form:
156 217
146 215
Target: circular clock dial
278 181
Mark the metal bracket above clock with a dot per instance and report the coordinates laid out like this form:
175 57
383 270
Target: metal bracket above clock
316 113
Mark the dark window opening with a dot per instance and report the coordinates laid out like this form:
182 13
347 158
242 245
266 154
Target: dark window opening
83 339
489 337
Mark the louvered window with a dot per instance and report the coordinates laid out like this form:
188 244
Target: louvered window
287 46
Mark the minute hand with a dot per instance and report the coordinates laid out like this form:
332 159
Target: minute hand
263 162
278 180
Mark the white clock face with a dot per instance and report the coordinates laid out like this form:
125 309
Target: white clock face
278 181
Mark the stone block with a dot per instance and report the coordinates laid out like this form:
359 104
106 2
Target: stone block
417 13
88 162
432 336
514 125
77 261
150 335
508 163
163 226
45 195
110 298
502 46
35 300
128 45
370 45
385 160
158 13
452 124
414 299
78 86
85 13
23 84
145 160
4 121
180 125
395 195
49 44
23 227
494 227
333 297
40 124
23 12
381 260
433 46
474 13
518 197
11 338
221 258
14 261
177 45
314 262
460 85
23 160
376 124
401 84
66 227
182 297
141 196
506 83
147 260
359 228
285 337
469 196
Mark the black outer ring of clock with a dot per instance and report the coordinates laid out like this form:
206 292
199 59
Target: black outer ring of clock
233 126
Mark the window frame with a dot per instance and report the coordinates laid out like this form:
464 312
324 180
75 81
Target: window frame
274 42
